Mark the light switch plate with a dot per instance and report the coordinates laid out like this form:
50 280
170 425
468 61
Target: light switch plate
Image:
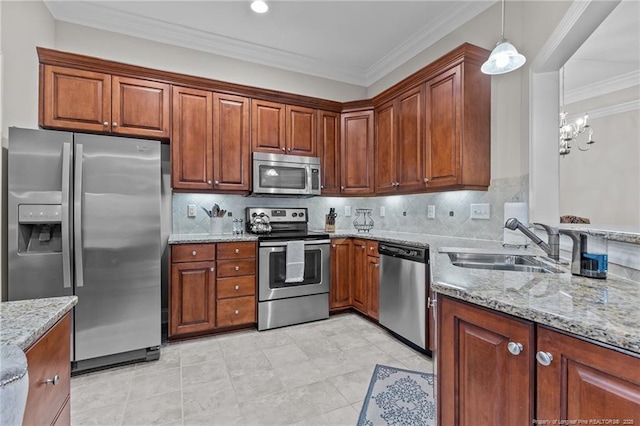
481 211
431 212
347 211
191 210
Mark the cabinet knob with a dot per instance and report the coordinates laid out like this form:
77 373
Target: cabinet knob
289 149
237 251
342 188
115 124
515 348
544 358
237 287
333 245
321 186
105 124
363 247
425 180
53 381
236 312
376 265
209 182
283 148
212 269
370 248
193 253
237 268
217 182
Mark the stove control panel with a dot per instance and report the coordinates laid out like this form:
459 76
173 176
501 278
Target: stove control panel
278 214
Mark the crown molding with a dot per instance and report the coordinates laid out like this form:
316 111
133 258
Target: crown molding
453 18
608 111
604 87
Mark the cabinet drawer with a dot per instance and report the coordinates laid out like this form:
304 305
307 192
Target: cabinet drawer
193 252
242 250
372 248
236 268
47 358
236 311
236 287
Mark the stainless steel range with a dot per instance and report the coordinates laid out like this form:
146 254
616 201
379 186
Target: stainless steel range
293 267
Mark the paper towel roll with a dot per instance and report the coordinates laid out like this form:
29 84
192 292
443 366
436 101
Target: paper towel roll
521 212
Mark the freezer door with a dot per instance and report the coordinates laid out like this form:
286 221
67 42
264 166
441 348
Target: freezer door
38 237
117 237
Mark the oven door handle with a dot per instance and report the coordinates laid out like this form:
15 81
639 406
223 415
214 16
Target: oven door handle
284 243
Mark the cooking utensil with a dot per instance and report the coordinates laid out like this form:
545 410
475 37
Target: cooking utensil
208 212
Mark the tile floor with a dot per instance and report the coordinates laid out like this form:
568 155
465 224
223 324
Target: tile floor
308 374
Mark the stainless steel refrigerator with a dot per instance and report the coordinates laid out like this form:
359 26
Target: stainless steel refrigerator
84 219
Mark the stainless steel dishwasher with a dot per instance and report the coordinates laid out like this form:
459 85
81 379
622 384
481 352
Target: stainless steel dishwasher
404 279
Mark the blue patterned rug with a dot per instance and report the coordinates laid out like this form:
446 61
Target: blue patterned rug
399 397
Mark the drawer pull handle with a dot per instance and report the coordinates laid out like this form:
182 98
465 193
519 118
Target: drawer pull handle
237 251
237 268
515 348
54 381
237 287
236 312
193 253
544 358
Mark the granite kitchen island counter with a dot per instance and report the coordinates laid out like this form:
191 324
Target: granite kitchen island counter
210 238
23 322
605 311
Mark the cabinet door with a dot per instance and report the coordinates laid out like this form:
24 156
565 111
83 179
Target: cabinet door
479 381
373 286
586 381
360 295
341 273
443 120
410 141
357 153
385 148
192 140
231 148
140 107
301 131
329 151
268 126
193 297
75 99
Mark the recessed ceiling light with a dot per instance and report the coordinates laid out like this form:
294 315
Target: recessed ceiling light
259 6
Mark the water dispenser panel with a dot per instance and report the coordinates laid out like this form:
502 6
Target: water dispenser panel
39 213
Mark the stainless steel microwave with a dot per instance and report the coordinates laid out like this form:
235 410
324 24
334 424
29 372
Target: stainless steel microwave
278 174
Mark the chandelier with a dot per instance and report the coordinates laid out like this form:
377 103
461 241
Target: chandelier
571 131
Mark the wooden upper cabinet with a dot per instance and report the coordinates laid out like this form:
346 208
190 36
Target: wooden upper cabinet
586 381
328 143
192 139
301 131
457 129
341 273
385 148
140 107
357 153
410 153
268 131
75 99
231 146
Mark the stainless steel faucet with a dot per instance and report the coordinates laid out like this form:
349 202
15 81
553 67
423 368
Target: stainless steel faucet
552 248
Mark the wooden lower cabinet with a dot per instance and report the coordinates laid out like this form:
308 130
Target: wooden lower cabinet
488 374
341 274
48 358
236 311
192 297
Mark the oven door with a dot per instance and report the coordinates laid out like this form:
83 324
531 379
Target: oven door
272 270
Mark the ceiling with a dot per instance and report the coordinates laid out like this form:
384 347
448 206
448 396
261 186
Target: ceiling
355 42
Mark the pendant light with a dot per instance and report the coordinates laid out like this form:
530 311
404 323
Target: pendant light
504 57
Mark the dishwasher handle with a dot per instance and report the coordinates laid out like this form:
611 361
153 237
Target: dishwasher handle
415 254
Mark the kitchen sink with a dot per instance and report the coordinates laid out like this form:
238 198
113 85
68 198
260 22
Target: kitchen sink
502 262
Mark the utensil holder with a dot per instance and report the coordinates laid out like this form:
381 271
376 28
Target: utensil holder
216 225
328 225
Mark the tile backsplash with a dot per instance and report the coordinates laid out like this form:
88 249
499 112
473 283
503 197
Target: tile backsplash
406 213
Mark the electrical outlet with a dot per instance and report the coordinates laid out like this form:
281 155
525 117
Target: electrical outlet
347 211
481 211
431 212
191 210
382 211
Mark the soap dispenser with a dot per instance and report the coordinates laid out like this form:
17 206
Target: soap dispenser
589 255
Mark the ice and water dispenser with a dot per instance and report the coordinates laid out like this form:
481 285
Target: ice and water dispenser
39 228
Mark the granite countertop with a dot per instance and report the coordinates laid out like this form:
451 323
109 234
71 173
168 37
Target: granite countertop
23 322
602 310
210 238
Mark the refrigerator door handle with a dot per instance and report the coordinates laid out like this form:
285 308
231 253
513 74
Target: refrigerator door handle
66 235
77 215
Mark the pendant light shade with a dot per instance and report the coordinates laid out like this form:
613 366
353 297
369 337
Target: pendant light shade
504 57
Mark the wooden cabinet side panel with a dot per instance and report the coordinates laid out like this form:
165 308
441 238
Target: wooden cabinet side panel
410 140
357 153
140 107
341 273
479 380
373 286
46 358
476 127
268 126
328 143
231 147
192 140
586 381
360 295
75 99
385 148
193 297
301 131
